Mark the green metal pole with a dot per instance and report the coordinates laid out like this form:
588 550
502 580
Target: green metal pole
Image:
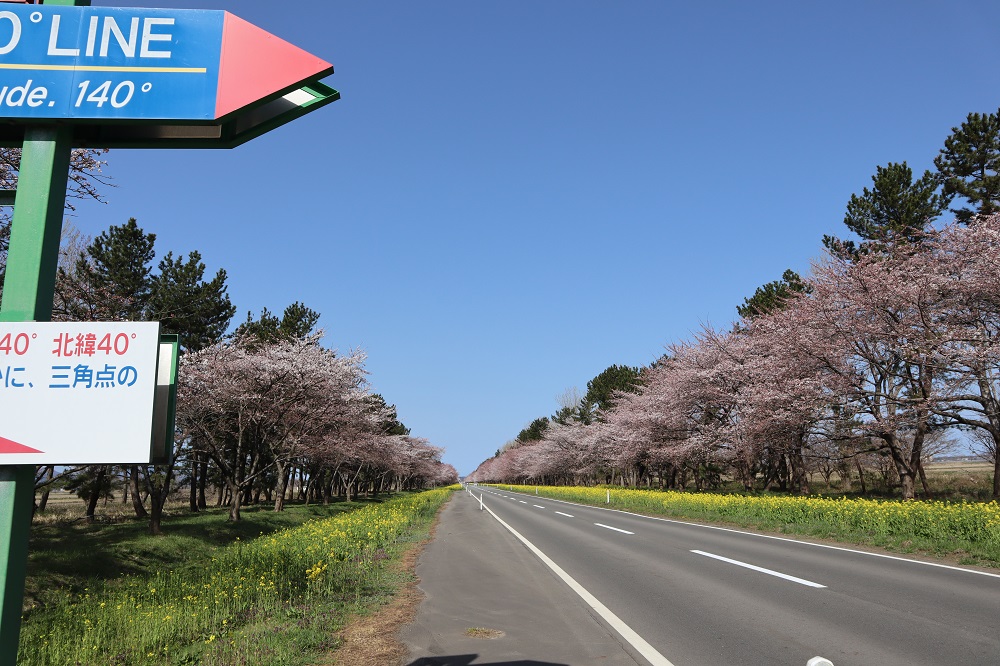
17 498
34 236
29 285
27 296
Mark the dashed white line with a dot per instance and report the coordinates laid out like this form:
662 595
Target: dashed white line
608 527
797 542
770 572
522 501
538 506
564 514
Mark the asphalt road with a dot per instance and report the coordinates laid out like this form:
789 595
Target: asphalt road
702 595
489 601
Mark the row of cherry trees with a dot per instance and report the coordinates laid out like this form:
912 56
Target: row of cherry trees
295 419
875 356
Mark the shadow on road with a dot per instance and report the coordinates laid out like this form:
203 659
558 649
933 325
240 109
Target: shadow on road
468 659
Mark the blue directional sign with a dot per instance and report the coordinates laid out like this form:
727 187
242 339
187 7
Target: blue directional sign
113 64
70 62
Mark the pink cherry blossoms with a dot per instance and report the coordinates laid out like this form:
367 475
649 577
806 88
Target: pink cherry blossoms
293 412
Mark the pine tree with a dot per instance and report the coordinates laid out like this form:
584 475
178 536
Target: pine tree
297 321
773 295
896 209
112 280
602 389
969 165
535 430
185 304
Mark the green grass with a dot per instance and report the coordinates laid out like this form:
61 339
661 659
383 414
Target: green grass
211 593
67 555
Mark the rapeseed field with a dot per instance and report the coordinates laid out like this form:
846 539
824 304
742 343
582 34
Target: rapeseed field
177 616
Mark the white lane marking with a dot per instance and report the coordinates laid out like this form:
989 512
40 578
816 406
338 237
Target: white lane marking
538 506
777 538
564 514
522 501
770 572
608 527
626 632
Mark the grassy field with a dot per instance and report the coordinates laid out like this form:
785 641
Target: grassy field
273 588
67 556
961 480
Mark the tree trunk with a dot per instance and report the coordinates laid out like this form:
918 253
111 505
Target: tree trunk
158 487
140 510
202 482
290 483
907 485
49 472
95 495
907 473
237 496
155 517
923 480
800 481
193 494
996 472
861 476
279 492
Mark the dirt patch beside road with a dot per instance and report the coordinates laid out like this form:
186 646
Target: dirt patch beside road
373 640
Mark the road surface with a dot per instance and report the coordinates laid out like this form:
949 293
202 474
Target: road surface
687 595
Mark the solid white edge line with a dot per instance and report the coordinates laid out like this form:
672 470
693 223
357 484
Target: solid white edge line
777 538
564 514
770 572
647 651
616 529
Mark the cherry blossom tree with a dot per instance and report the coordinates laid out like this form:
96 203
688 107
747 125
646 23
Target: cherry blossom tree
873 327
251 405
968 257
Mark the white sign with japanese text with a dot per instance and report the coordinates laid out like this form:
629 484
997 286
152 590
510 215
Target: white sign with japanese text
77 393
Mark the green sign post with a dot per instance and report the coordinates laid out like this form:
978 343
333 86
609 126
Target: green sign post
283 85
29 286
27 296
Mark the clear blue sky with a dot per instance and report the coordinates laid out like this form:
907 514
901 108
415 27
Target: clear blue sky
512 196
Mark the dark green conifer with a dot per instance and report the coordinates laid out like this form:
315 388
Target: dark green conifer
969 165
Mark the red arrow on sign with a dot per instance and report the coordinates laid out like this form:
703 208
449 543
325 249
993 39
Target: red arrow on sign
255 64
8 446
